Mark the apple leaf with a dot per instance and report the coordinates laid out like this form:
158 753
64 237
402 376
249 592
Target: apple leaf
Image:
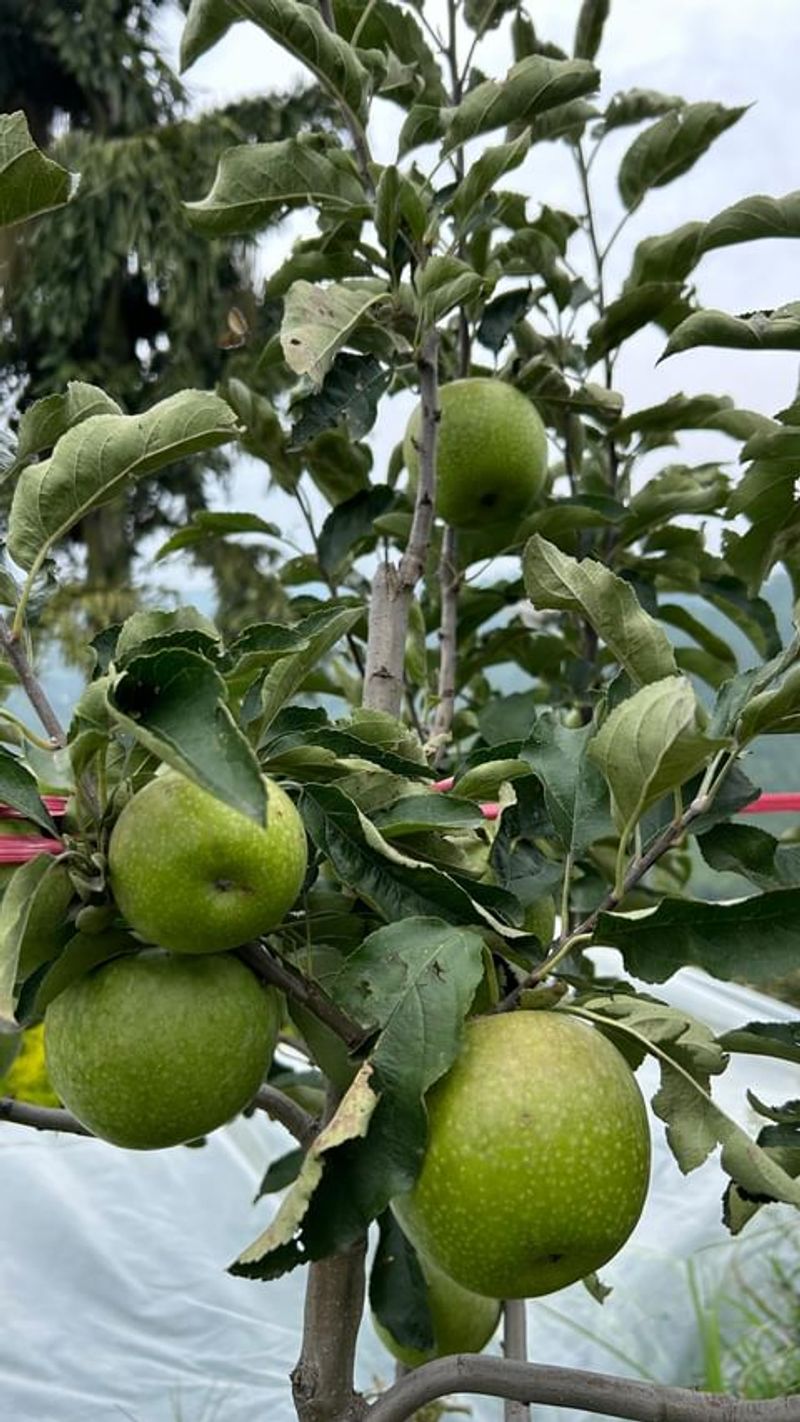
280 1246
255 182
95 459
670 147
317 321
482 779
349 523
518 862
414 982
764 1039
651 744
530 87
259 646
206 23
774 330
320 632
81 952
46 420
207 525
635 105
414 813
30 183
398 1294
394 884
19 790
350 392
444 283
150 629
280 1173
574 789
754 939
753 853
688 1056
32 923
628 314
483 174
556 582
173 702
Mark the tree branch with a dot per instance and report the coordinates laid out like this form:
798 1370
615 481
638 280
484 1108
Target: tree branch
41 1118
305 991
449 584
322 1380
640 866
17 656
393 587
570 1387
280 1107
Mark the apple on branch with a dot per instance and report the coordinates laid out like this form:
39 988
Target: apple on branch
194 875
538 1157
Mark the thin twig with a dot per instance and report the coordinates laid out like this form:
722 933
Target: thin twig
17 656
639 867
41 1118
279 1107
570 1387
305 991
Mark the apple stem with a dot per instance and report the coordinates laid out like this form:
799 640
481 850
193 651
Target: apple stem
515 1346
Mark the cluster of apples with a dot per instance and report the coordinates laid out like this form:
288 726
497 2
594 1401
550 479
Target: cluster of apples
164 1043
538 1155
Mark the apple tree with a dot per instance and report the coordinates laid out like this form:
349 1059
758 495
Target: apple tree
465 848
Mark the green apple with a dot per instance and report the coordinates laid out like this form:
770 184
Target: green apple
463 1322
538 1157
491 453
192 874
152 1050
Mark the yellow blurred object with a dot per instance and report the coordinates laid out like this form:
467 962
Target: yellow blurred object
27 1079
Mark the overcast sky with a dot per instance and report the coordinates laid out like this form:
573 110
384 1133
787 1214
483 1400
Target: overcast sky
735 51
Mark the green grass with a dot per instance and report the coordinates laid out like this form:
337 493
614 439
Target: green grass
749 1328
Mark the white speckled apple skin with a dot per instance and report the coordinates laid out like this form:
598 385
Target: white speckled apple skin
153 1050
191 874
491 452
538 1157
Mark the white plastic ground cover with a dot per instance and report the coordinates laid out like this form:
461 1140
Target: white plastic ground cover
115 1302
